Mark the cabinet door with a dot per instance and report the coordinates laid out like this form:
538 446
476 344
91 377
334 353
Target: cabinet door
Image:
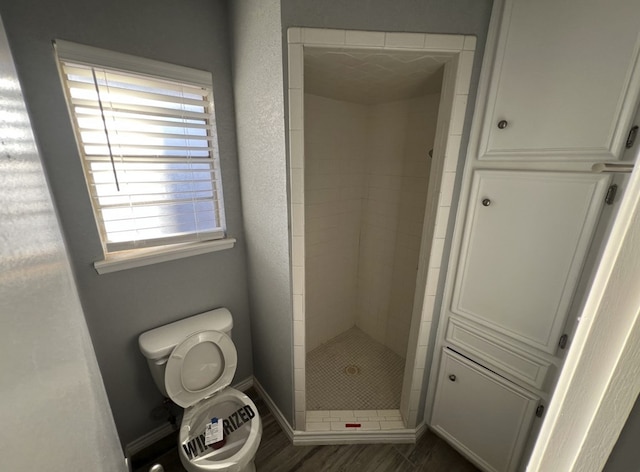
486 417
525 239
564 79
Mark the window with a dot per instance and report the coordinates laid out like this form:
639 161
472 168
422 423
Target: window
147 139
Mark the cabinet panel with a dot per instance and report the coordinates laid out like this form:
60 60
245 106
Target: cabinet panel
525 239
485 416
497 355
563 79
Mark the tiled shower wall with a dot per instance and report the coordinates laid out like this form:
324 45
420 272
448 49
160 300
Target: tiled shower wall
400 135
335 133
387 123
366 175
422 117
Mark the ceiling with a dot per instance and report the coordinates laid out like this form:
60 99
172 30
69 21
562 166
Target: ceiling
371 76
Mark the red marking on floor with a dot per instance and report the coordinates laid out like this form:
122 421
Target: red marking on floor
352 425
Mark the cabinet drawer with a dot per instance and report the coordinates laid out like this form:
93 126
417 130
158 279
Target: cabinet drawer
483 415
497 354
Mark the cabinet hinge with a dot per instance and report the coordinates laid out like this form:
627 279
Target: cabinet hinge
611 194
633 132
540 411
563 341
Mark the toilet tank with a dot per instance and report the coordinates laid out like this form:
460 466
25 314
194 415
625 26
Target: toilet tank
157 344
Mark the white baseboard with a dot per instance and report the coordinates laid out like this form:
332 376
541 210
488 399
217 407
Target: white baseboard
244 385
298 438
148 439
166 429
275 411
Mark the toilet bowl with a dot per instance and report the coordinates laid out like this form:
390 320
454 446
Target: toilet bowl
193 362
242 439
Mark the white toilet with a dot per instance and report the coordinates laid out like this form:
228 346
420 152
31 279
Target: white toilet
193 361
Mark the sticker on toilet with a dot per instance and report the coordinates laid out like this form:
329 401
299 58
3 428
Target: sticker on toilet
215 433
237 419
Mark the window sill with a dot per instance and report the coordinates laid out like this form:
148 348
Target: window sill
144 257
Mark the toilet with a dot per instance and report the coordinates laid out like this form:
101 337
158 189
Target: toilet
193 362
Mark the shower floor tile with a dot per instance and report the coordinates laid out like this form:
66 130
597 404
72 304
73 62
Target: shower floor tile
353 372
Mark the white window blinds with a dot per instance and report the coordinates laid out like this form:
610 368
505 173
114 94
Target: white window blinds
148 146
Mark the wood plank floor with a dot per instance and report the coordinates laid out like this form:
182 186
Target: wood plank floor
276 454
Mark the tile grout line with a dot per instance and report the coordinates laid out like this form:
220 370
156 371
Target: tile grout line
371 385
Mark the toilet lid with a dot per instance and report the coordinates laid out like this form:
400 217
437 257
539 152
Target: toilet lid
200 366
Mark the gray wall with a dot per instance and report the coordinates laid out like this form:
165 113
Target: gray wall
259 99
420 16
49 378
625 456
120 306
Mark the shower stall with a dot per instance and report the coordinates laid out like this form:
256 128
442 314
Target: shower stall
375 124
366 176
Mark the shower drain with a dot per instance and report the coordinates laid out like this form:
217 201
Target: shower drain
352 370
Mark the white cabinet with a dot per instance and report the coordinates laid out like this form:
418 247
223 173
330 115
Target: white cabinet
525 239
564 79
482 414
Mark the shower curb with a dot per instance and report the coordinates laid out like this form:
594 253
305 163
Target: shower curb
399 436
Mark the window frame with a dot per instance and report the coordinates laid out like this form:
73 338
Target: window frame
67 51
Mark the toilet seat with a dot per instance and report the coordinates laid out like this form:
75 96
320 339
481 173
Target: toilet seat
242 444
201 365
